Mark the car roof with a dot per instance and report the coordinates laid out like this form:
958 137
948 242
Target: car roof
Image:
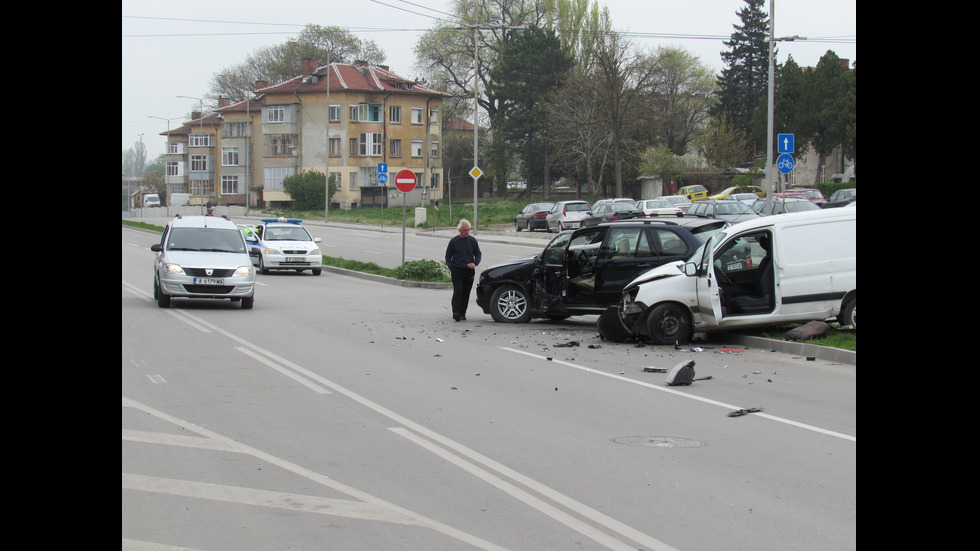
220 222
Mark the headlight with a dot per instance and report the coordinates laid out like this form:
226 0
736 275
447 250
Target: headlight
315 251
173 269
243 271
272 251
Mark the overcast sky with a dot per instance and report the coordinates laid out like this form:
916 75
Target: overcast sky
173 48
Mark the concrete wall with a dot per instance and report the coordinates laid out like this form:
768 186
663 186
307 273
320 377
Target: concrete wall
184 210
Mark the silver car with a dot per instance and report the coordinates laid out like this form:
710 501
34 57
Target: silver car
566 215
202 257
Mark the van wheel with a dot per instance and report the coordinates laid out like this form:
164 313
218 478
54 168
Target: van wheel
669 324
509 304
848 314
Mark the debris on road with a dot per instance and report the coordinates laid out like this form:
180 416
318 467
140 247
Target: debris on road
740 412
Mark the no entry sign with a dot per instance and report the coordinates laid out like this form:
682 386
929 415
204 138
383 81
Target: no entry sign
405 180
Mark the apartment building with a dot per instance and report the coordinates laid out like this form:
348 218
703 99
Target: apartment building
348 117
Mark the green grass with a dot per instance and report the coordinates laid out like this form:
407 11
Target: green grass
845 339
491 212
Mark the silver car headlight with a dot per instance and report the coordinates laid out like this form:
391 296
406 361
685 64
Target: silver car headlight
243 271
173 269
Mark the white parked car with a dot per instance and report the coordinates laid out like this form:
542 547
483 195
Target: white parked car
283 244
659 207
566 215
677 201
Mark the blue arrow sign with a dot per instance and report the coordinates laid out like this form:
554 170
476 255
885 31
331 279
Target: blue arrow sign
784 143
382 168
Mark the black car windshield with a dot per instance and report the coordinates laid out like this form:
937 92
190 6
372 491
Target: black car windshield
205 239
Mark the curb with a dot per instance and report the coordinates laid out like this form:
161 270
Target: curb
826 353
389 280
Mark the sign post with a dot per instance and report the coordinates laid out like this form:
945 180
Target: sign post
405 181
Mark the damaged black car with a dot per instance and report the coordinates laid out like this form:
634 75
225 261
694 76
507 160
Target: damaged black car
583 271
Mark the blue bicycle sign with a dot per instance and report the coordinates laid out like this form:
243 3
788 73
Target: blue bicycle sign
784 163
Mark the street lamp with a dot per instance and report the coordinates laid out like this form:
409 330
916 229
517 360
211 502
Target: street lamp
771 96
201 118
166 150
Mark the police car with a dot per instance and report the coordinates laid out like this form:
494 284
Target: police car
282 244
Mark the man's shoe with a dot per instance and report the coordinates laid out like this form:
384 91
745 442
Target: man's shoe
456 317
462 317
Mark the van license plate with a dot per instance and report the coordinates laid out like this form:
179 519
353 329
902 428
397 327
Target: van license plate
208 281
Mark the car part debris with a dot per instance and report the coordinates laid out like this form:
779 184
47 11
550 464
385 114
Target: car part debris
681 374
740 412
566 344
651 369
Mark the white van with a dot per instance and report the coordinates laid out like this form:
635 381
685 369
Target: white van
776 269
179 199
151 200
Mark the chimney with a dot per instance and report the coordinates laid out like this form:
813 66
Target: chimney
259 84
195 115
223 101
309 65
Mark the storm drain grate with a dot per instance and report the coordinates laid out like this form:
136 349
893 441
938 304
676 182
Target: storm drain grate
658 441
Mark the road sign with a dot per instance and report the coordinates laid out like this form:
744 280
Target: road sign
476 172
382 168
785 163
405 180
784 143
382 178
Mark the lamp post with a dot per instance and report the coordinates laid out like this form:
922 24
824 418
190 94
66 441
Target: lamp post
166 151
771 98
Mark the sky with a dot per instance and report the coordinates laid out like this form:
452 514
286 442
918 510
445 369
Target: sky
173 48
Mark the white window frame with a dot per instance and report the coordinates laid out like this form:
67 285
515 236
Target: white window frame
370 144
229 185
417 148
275 113
199 163
334 113
353 180
394 148
416 115
229 156
200 140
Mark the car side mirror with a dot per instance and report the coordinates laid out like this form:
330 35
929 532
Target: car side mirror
317 239
155 247
690 269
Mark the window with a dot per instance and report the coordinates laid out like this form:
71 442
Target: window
275 113
433 115
199 163
334 113
234 130
229 185
395 114
353 180
434 149
229 156
173 168
200 140
202 188
274 176
352 150
175 148
416 148
370 143
416 115
281 145
365 112
334 147
395 148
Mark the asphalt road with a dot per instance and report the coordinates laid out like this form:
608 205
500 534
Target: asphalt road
345 413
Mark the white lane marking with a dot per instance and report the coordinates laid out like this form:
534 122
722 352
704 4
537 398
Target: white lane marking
316 388
685 395
186 318
315 477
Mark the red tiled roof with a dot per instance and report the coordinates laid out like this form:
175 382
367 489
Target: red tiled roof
345 77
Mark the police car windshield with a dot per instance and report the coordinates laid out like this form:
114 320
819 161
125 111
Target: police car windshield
205 239
286 233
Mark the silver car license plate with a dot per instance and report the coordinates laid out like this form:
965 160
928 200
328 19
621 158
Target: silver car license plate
208 281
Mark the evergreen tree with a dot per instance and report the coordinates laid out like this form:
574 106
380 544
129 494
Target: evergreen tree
743 86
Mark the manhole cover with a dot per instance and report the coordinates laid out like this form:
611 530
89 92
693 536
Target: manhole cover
658 441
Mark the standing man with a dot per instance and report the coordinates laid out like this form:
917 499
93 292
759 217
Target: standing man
462 256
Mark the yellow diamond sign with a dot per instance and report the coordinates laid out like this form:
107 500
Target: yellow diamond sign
476 172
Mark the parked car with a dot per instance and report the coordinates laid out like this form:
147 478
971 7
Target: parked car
610 210
748 198
812 193
580 272
659 207
567 215
840 198
782 205
533 216
693 193
202 257
751 189
780 269
724 209
678 201
723 194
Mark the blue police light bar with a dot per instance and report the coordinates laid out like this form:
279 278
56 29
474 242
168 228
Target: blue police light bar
284 220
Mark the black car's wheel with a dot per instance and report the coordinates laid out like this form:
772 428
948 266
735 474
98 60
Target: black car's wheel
248 302
316 271
517 226
669 324
509 304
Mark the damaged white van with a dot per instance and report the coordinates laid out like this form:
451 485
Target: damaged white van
777 269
